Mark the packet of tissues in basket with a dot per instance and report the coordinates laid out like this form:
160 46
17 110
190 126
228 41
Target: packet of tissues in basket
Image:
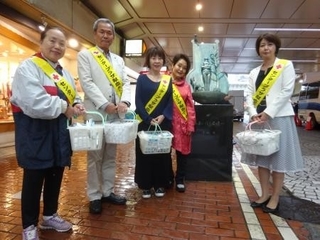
87 136
259 141
121 131
155 142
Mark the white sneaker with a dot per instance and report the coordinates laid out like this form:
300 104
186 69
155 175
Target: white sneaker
159 192
56 223
146 194
30 233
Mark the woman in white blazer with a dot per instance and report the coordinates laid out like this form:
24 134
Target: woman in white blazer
277 111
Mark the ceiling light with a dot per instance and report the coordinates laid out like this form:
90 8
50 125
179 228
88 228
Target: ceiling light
20 51
73 42
288 29
41 28
305 60
44 24
198 6
300 49
200 28
259 60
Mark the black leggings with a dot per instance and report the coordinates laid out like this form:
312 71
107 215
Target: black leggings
33 181
181 167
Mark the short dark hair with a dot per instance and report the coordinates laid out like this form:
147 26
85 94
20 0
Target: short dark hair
152 52
270 38
44 33
179 56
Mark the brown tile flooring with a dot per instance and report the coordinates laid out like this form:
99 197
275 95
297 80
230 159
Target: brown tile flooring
207 210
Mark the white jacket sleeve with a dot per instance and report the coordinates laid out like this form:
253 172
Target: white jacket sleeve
30 88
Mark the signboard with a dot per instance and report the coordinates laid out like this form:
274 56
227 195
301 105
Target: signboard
135 48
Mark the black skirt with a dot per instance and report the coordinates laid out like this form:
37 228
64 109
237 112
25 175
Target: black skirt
152 170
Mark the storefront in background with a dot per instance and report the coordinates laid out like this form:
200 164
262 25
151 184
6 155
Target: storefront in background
11 54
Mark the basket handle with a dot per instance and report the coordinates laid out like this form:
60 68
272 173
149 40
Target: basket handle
132 113
97 113
89 112
157 128
248 127
126 116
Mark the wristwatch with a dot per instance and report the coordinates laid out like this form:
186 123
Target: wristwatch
127 103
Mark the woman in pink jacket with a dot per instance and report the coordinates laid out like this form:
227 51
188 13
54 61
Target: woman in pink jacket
183 116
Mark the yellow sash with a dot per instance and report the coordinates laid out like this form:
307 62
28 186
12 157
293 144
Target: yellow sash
61 82
268 81
108 70
156 98
179 102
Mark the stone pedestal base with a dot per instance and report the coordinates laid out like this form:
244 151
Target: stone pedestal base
211 154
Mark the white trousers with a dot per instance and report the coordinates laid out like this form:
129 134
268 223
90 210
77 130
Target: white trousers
101 167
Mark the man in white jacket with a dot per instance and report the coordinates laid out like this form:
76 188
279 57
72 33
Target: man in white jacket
107 90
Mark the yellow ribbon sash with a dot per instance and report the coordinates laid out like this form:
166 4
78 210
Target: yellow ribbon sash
61 82
108 70
268 81
179 102
156 98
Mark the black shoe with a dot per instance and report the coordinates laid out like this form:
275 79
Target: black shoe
180 187
115 199
170 184
95 207
266 209
257 205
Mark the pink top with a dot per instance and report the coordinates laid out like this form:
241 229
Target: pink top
182 128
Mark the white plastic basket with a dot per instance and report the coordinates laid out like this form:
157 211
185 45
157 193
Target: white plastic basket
262 142
121 131
155 142
85 137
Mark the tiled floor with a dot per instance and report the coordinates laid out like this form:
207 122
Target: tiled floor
207 210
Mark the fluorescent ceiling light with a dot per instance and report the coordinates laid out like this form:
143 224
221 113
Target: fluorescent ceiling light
305 61
288 29
300 49
292 49
260 61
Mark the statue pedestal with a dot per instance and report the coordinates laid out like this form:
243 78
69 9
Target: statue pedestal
211 155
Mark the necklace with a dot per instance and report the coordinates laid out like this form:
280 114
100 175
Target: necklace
155 78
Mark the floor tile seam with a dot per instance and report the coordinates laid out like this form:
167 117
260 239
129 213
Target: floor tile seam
285 230
251 218
280 223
